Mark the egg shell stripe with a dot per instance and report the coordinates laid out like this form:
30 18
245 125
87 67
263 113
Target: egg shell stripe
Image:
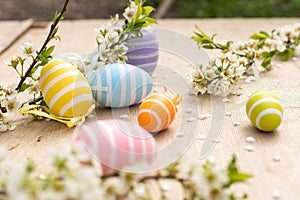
131 149
142 61
139 91
141 147
117 92
104 144
148 65
53 63
109 85
145 85
129 89
141 43
71 87
122 142
131 132
59 78
152 100
59 85
55 74
73 102
134 86
97 80
53 69
267 112
169 100
112 141
134 97
145 56
66 97
259 95
263 100
159 123
124 87
104 83
92 139
50 65
79 109
262 92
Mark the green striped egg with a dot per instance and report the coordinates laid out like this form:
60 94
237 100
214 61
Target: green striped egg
66 91
264 110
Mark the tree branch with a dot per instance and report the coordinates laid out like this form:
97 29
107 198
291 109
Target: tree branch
36 59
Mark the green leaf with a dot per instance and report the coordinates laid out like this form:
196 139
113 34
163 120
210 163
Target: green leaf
53 35
285 55
147 10
234 175
262 35
266 63
48 51
56 15
24 86
268 54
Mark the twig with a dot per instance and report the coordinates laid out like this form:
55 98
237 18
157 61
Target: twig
35 60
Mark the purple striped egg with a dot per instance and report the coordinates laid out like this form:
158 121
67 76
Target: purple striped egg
143 51
117 143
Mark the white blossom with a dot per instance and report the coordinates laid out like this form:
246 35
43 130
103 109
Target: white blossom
130 11
27 49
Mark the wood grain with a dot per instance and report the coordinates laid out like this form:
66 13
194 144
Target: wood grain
11 30
283 176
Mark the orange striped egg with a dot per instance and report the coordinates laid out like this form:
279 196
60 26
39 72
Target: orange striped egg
66 91
157 112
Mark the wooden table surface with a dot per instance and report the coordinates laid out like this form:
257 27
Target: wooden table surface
269 176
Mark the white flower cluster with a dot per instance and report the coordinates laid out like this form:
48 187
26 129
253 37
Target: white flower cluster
223 74
8 103
288 35
73 174
111 45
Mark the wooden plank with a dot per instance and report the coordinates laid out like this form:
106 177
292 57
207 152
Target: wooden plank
284 176
10 31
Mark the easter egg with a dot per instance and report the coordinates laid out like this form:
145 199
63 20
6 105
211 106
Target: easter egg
143 51
264 110
120 85
157 112
117 143
66 91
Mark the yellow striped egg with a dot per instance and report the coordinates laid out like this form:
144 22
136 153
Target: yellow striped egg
157 112
66 91
264 110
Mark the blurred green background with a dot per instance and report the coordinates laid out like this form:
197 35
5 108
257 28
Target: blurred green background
235 8
42 10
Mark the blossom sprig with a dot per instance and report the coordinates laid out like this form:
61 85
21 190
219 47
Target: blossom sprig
112 38
26 65
68 178
224 73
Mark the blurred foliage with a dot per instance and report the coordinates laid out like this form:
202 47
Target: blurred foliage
235 8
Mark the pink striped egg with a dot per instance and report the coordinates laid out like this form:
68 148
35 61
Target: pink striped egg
143 51
117 143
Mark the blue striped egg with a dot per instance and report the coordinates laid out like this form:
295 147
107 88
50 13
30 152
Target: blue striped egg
120 85
143 51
